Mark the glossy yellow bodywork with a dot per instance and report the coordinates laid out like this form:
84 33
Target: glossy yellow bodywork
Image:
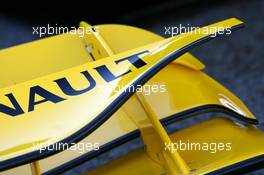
246 142
187 82
35 168
171 161
67 117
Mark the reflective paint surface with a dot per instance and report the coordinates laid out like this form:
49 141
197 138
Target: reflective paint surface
54 129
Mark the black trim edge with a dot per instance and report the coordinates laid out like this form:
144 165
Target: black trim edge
136 133
114 106
242 167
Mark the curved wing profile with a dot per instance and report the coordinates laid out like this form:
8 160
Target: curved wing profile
67 106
